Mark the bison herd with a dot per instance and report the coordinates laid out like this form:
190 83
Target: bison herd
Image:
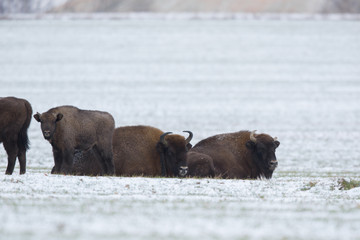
86 142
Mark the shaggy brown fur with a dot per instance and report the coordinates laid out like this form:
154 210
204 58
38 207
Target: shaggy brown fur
138 151
200 165
69 129
86 162
15 118
235 155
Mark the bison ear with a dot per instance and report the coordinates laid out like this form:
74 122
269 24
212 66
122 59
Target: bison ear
277 143
59 116
250 145
37 117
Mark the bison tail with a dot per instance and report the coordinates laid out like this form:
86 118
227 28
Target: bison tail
23 139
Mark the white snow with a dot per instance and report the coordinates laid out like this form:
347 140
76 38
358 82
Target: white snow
28 6
297 80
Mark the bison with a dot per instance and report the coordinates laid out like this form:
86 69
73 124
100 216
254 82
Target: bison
242 154
86 162
148 151
69 129
15 118
200 165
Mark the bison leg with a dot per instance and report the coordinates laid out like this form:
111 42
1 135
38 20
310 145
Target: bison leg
68 161
12 151
58 161
106 160
22 161
110 164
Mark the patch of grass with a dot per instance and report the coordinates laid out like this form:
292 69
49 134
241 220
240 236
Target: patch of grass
347 185
261 196
309 186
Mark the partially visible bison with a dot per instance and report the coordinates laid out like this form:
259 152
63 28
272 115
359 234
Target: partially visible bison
86 162
15 118
243 155
148 151
69 129
200 165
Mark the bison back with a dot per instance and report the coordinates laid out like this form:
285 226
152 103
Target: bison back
135 153
229 154
84 128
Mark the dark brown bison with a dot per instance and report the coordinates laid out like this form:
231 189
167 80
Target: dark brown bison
200 165
86 162
15 118
148 151
69 129
241 155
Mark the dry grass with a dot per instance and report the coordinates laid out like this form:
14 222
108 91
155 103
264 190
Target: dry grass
347 185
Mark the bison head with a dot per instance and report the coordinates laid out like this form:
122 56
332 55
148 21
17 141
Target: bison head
48 123
173 151
263 147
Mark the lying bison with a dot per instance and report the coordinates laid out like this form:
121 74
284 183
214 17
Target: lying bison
200 165
15 118
148 151
241 155
86 162
69 129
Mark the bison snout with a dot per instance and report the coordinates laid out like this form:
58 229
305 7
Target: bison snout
183 171
273 164
47 134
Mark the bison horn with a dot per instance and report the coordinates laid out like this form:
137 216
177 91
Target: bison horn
189 138
162 138
275 139
252 137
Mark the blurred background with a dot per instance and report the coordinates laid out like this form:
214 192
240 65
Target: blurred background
289 68
206 66
254 6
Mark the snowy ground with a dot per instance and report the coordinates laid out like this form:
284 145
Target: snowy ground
297 80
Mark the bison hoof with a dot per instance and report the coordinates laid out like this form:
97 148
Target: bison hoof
54 171
111 172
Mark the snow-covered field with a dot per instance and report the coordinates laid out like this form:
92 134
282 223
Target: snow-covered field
297 80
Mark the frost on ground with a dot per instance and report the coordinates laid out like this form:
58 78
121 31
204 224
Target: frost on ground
42 206
297 80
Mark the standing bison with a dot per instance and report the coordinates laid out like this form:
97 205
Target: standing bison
148 151
69 129
15 118
241 155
